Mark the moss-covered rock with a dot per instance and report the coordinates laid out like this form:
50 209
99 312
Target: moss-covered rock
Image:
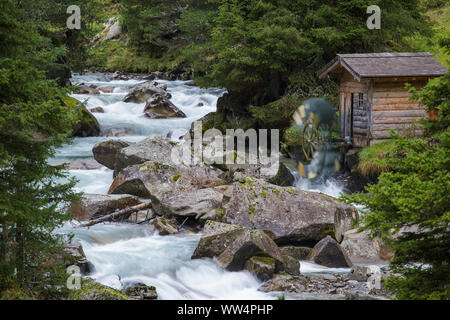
105 152
261 267
87 125
92 290
164 226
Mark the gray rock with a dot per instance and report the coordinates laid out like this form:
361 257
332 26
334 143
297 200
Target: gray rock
156 149
360 273
98 110
344 222
285 283
288 265
105 152
159 107
294 216
144 91
362 249
330 254
107 89
92 206
299 253
75 256
86 126
142 292
164 226
175 191
84 89
284 177
261 267
234 245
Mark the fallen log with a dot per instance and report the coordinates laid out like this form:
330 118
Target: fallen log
117 214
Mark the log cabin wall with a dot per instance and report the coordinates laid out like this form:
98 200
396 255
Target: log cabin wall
392 108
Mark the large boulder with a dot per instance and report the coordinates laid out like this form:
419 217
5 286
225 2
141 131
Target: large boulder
105 152
289 265
294 216
284 177
87 125
233 246
175 191
363 249
157 149
85 89
144 91
159 107
330 254
261 267
92 206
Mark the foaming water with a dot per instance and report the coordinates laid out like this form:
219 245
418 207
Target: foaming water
93 181
126 254
328 186
308 267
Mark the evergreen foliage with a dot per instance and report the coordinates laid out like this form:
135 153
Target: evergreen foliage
33 121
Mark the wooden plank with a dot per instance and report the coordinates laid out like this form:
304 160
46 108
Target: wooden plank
407 113
359 113
387 120
360 119
398 107
393 94
395 126
394 101
359 124
360 131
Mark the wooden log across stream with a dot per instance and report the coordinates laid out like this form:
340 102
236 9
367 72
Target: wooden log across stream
117 214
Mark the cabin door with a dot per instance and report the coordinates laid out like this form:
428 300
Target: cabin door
347 116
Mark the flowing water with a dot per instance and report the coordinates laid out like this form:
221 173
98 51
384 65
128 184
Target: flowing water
126 253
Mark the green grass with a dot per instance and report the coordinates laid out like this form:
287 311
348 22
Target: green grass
371 158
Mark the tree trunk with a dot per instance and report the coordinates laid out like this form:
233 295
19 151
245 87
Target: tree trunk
20 263
118 214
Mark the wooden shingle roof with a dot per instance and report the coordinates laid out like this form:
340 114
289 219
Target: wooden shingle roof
378 65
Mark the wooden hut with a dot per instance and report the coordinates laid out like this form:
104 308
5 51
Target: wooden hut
373 97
